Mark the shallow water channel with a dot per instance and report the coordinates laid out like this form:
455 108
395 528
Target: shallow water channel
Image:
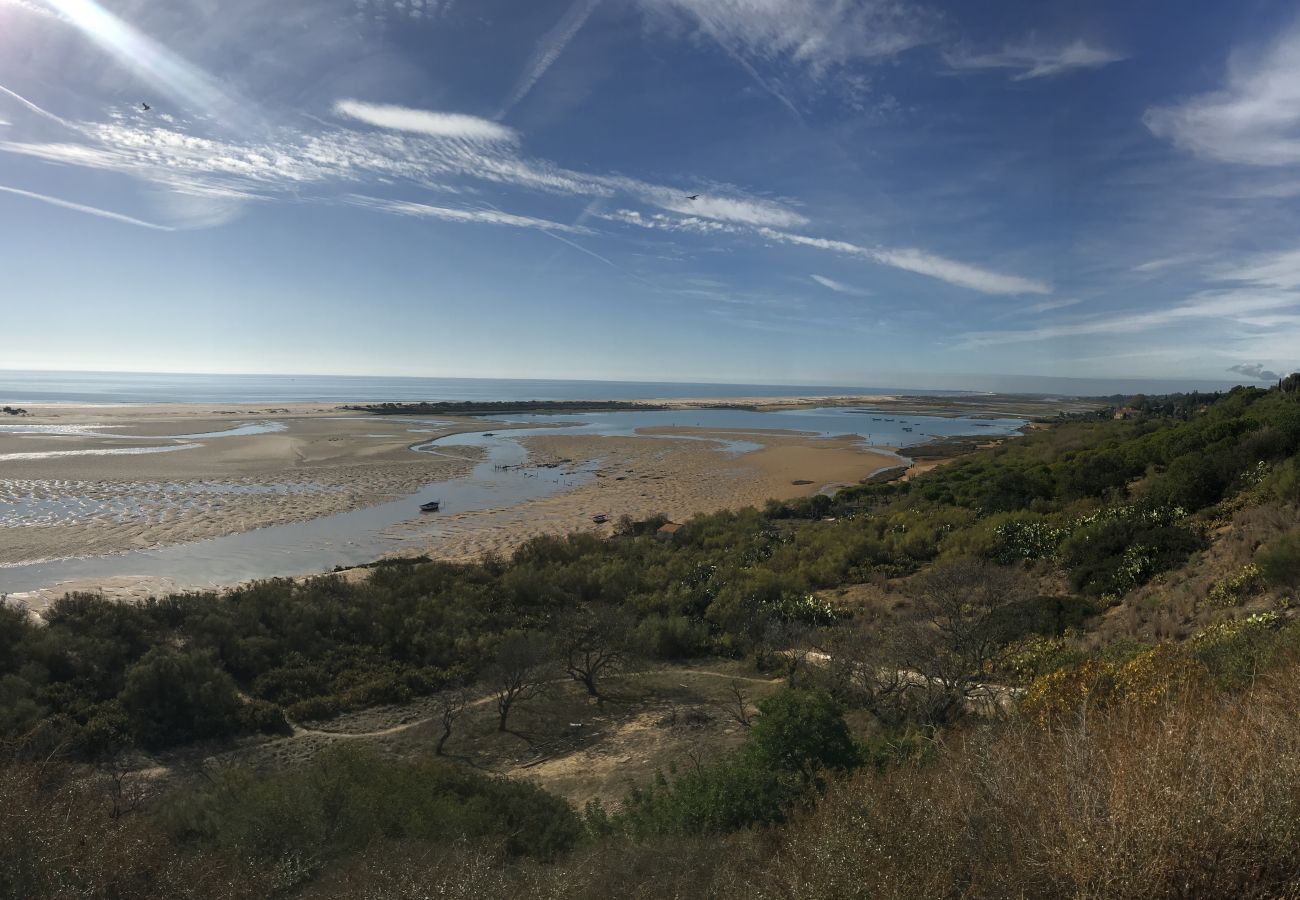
501 479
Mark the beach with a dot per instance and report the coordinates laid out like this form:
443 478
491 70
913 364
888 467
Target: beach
101 481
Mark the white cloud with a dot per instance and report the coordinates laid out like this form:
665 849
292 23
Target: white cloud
745 211
923 263
839 286
817 34
82 208
35 9
1279 270
1155 265
450 214
40 111
549 49
1254 119
423 121
1049 305
959 273
1227 305
1034 59
909 259
427 149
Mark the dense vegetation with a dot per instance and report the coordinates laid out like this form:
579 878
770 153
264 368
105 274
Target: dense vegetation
993 571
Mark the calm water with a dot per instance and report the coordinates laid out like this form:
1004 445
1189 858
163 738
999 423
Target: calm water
19 387
365 535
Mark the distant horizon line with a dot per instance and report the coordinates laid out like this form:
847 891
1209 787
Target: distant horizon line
1228 381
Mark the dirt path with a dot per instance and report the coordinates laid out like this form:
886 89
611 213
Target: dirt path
302 731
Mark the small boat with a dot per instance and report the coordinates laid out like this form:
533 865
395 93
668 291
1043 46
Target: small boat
906 428
489 434
431 506
600 518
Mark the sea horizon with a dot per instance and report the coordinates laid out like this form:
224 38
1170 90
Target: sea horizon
92 388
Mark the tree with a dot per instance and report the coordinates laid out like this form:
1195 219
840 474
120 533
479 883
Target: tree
450 706
802 732
592 642
174 696
518 672
960 619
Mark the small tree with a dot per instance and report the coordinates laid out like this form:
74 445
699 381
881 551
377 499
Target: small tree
960 619
175 696
518 672
592 643
450 706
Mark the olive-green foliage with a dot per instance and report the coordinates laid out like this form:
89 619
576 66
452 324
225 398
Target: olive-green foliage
799 735
1279 560
1122 547
312 648
346 799
1236 652
171 696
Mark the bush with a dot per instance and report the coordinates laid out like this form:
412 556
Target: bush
1236 589
798 736
176 696
344 800
671 637
1279 560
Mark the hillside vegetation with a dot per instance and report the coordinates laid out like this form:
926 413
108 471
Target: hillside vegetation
1062 666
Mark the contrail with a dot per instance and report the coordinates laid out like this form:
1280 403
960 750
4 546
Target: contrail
79 207
38 110
548 50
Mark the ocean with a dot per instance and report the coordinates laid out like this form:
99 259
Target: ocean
19 387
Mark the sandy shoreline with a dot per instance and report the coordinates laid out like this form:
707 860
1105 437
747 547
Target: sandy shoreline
320 460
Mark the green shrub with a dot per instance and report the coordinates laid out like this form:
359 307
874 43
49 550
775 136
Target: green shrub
798 736
1279 560
1236 652
1236 588
175 696
346 799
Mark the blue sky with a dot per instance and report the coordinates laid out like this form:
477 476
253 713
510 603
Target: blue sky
888 192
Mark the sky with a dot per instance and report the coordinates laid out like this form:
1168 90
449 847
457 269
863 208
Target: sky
775 191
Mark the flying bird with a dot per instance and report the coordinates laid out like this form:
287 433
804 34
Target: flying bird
692 196
146 107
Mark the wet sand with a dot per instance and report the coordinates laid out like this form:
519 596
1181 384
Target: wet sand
325 461
643 476
321 463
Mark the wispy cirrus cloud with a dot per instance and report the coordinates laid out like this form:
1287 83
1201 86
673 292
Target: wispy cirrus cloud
1279 270
909 259
1254 119
83 208
437 150
921 262
1164 262
815 34
1227 305
1049 305
455 214
1034 59
839 287
548 50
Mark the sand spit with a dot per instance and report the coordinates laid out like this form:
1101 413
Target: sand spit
317 460
319 464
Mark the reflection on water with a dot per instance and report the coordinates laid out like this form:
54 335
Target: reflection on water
875 427
501 479
103 431
102 451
